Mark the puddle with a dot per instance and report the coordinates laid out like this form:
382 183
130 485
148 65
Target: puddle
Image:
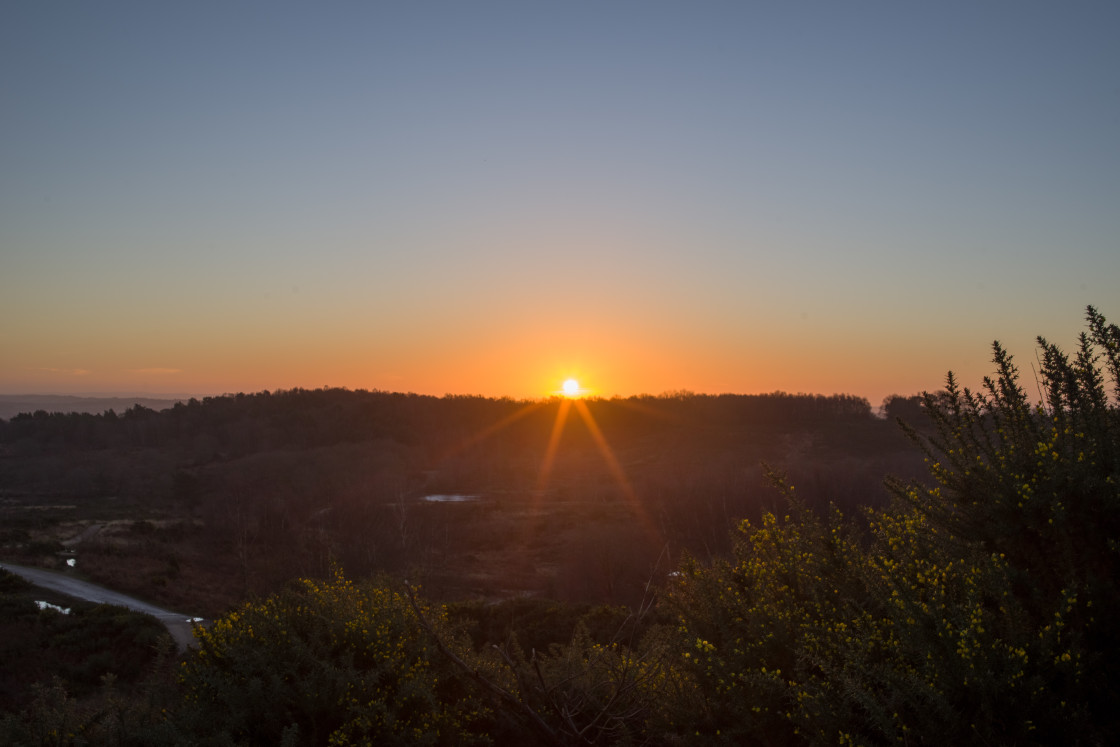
49 606
449 498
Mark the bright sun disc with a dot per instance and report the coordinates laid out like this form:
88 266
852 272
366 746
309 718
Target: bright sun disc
570 388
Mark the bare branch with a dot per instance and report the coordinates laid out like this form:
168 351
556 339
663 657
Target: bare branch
500 692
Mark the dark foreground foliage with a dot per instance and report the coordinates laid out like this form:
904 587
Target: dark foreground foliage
83 676
978 608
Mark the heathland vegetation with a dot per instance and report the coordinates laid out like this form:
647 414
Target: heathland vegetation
618 571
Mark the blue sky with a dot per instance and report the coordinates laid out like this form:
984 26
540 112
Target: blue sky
491 197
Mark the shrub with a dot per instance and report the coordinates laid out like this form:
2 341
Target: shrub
979 609
326 663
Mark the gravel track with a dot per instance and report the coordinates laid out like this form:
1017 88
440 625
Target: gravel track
179 625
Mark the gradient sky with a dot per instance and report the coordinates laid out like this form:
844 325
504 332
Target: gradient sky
488 198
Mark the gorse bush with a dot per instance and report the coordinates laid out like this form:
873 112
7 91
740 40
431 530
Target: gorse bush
342 663
979 609
592 693
329 662
1037 482
1038 486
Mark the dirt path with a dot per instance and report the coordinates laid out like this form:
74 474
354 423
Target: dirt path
179 625
88 533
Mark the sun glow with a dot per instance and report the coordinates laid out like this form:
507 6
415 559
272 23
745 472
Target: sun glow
570 396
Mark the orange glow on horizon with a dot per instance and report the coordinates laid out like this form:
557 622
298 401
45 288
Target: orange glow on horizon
516 363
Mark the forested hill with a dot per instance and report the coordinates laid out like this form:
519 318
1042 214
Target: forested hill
252 489
246 423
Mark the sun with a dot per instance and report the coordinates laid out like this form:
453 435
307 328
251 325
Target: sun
571 388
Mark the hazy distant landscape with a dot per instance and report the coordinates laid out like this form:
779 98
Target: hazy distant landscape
14 404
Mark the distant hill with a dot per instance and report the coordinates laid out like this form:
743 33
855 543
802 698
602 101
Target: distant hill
13 404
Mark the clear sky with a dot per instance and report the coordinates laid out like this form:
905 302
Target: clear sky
488 198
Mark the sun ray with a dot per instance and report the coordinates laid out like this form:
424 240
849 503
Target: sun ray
553 445
617 472
490 430
520 545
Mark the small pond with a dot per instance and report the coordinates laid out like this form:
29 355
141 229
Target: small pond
449 498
